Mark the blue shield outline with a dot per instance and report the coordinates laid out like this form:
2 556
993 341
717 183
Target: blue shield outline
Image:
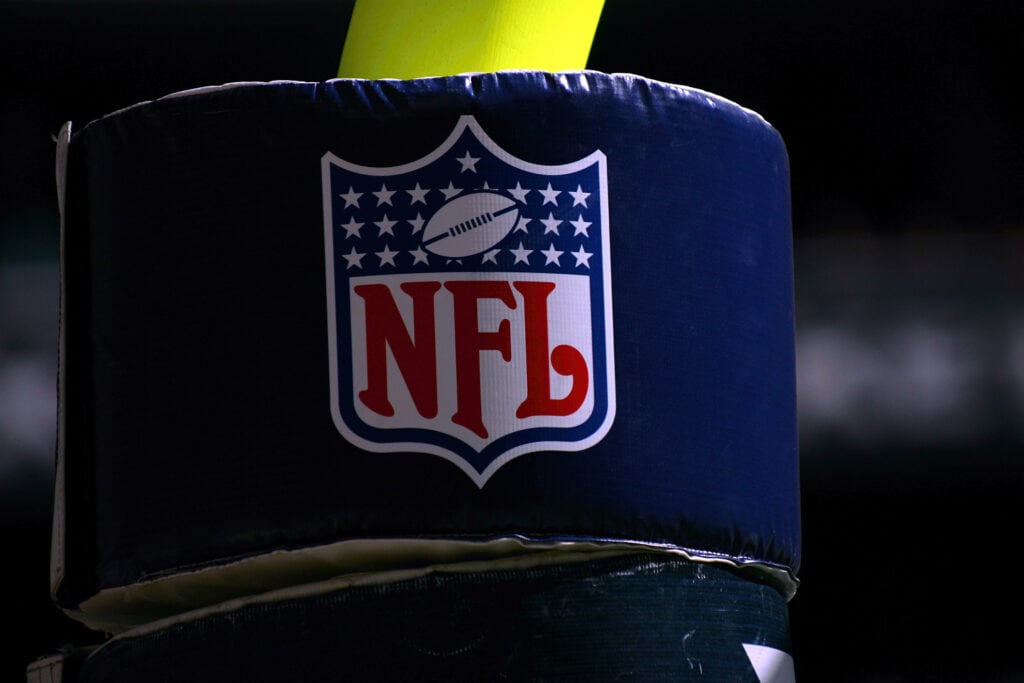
400 199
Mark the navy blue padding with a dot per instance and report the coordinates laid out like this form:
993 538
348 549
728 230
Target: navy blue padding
198 408
643 619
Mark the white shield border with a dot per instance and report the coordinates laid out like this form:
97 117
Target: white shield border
480 478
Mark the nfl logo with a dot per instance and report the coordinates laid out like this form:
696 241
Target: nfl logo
469 303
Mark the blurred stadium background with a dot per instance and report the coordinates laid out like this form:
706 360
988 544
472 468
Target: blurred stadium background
906 139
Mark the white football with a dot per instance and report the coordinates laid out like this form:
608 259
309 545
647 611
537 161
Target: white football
470 224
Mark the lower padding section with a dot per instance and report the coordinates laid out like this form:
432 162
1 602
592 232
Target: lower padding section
644 618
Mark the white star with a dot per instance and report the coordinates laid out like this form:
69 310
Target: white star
351 197
468 163
352 228
386 256
522 255
551 255
581 226
385 225
418 194
549 195
416 223
419 256
383 195
582 257
519 193
579 197
550 223
353 258
491 256
522 227
451 190
485 186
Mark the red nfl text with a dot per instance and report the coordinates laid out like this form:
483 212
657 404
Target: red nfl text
522 338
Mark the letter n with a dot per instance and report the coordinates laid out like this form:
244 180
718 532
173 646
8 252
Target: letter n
416 356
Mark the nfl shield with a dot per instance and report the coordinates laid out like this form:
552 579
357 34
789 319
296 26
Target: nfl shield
469 303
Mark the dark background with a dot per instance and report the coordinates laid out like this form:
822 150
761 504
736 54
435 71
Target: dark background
906 137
